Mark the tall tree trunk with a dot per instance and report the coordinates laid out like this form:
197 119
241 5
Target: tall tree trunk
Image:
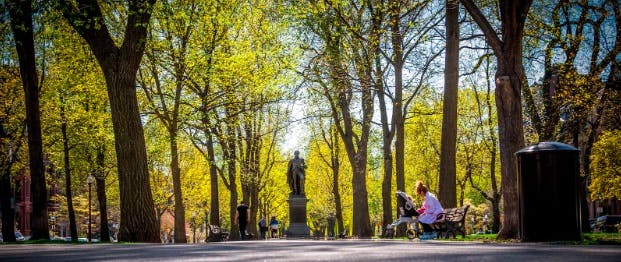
254 211
100 178
138 222
361 221
176 176
214 215
397 112
335 180
8 213
448 192
496 215
20 12
230 153
387 155
511 138
233 200
387 138
509 80
398 120
119 66
73 229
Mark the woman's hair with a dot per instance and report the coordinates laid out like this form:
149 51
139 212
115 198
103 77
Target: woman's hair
420 187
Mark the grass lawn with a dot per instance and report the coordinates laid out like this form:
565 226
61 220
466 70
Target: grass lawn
587 239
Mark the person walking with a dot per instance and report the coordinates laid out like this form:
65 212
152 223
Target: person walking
262 227
242 217
274 227
331 224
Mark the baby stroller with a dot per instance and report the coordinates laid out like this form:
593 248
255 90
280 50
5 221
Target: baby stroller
216 234
407 210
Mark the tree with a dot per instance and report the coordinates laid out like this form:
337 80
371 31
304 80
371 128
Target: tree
411 27
165 95
507 47
331 159
409 48
21 23
447 194
120 65
346 53
207 82
67 169
12 132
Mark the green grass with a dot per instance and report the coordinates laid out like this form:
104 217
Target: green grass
35 242
587 239
601 239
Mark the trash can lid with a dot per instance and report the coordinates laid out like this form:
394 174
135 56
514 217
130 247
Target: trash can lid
546 146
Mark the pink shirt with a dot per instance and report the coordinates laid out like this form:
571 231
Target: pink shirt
432 208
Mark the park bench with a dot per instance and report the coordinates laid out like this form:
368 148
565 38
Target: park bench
452 221
216 234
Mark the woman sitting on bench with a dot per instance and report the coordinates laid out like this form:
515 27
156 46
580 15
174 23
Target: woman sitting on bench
429 211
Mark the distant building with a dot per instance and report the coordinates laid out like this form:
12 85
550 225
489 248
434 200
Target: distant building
23 205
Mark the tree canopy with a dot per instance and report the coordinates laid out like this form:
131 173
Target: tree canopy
183 108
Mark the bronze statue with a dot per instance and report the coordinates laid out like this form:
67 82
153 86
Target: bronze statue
295 174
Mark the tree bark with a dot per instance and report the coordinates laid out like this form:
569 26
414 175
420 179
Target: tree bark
230 151
214 215
397 112
335 160
20 12
387 139
448 177
120 65
176 176
138 222
73 229
398 121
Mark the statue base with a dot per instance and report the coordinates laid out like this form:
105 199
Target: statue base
298 227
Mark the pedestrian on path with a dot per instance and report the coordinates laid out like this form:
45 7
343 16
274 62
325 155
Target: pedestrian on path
274 227
242 217
262 227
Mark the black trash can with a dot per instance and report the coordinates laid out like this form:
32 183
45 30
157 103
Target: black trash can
548 192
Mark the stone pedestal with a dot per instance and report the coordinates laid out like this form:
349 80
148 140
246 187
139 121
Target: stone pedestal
298 227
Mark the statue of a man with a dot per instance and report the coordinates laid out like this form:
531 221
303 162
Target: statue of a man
295 174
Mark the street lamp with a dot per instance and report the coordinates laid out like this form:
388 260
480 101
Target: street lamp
89 180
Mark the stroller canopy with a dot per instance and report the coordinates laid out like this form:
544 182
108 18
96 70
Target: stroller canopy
405 204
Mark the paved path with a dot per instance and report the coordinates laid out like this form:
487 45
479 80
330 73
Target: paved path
309 250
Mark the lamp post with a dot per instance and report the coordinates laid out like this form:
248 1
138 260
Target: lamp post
89 180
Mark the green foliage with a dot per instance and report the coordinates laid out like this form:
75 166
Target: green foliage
606 166
12 117
237 66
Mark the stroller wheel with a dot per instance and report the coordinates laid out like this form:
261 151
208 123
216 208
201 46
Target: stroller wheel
411 234
390 233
